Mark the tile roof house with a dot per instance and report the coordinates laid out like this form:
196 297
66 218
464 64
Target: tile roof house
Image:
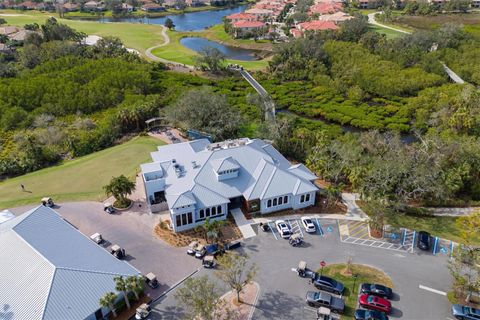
325 8
335 17
260 14
49 270
240 16
7 30
69 7
316 25
198 179
152 7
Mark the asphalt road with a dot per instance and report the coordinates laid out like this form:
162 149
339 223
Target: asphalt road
282 293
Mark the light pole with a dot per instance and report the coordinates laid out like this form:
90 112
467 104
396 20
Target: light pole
355 276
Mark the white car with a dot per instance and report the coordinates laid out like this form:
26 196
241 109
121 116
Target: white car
308 225
283 229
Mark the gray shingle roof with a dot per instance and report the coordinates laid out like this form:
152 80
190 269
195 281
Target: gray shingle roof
66 273
263 171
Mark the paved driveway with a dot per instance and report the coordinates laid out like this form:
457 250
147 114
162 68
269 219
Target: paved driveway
133 231
282 293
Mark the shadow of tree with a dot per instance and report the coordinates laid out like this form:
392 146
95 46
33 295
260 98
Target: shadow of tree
278 305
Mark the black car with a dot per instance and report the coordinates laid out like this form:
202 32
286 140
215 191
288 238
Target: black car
328 284
423 242
377 290
361 314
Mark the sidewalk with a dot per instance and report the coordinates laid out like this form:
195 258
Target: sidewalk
242 223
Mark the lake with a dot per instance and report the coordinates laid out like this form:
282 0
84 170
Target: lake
197 44
190 21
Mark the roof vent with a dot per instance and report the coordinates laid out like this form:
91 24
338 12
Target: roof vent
174 161
194 164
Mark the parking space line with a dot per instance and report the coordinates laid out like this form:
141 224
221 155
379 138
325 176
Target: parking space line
432 290
319 226
299 227
273 232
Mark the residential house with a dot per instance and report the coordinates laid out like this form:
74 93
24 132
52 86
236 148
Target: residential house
20 36
126 7
336 17
8 30
475 4
152 7
70 7
260 14
296 33
199 180
51 271
325 8
93 6
30 5
316 25
240 16
243 28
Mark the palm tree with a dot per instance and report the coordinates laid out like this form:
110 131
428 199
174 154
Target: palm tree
107 301
120 187
135 284
121 285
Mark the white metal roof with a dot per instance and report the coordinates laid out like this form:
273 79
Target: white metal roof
263 172
49 270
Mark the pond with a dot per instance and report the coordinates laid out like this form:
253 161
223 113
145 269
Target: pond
197 44
190 21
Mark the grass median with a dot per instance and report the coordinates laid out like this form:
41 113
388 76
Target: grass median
79 179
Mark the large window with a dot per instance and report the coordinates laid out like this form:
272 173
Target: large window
285 199
269 203
207 212
274 202
307 197
202 214
184 219
214 211
280 201
302 198
219 209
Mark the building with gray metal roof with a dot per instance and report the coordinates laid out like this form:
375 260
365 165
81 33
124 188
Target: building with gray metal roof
200 180
49 270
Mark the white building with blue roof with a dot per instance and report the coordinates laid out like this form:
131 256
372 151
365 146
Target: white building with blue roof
49 270
200 180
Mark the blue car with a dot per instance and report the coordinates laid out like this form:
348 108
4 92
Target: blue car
361 314
465 313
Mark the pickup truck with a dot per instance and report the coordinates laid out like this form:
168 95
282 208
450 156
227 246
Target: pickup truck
323 299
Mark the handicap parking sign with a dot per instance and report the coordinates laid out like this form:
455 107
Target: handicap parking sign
443 250
394 236
329 229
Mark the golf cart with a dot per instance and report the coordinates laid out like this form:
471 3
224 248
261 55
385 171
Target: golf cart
108 208
192 248
295 240
97 238
200 251
48 202
151 280
209 262
265 227
143 311
325 314
304 272
117 252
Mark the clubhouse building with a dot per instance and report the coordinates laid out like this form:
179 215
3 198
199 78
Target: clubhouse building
199 180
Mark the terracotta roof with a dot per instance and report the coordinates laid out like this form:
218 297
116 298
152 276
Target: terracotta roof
326 8
240 16
151 5
258 11
8 30
317 25
296 33
248 24
336 17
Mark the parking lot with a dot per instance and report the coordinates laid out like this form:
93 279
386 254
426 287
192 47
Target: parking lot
420 279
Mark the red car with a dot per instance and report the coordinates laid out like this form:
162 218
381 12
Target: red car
376 303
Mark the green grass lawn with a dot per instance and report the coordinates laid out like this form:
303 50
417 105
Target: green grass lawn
81 178
365 274
174 51
391 34
133 35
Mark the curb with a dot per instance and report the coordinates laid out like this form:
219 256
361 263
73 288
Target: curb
254 301
174 287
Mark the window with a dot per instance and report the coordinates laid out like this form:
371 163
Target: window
280 200
207 212
274 202
219 209
189 217
214 211
285 199
202 214
269 203
179 221
307 197
302 198
184 219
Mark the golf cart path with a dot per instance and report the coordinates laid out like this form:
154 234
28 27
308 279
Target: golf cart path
451 74
166 41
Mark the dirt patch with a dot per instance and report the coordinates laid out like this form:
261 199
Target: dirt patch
247 296
229 232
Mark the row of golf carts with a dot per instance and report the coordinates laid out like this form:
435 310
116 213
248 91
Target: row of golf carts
208 252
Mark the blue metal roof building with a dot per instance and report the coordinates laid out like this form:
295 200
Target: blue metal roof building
49 270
